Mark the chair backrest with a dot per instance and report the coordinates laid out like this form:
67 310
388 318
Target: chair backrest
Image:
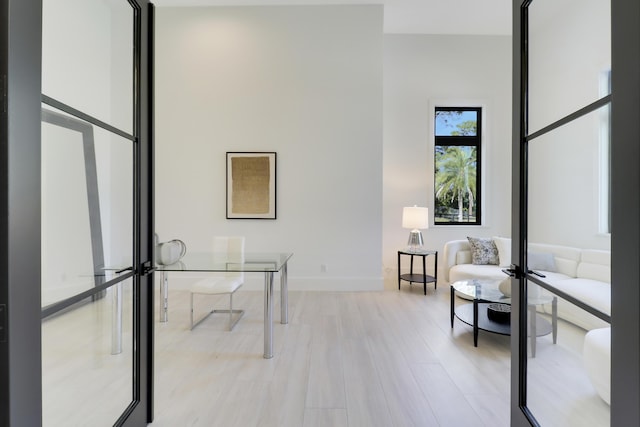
229 249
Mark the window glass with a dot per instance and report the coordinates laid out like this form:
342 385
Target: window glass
456 123
457 166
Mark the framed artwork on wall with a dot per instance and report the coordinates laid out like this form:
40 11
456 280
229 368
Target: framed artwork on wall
251 185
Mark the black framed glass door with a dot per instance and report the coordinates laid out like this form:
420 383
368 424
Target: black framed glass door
562 227
77 148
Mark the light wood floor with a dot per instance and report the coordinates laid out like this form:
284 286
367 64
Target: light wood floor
358 359
386 358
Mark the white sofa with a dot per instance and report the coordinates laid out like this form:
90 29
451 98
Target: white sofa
582 273
597 360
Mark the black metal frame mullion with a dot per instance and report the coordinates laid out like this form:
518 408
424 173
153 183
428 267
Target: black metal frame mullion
136 319
570 117
20 88
521 312
520 414
61 305
140 411
86 117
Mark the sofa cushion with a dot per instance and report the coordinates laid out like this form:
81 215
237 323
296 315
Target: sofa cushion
471 271
451 250
592 292
565 257
463 257
503 244
595 265
553 277
541 261
483 251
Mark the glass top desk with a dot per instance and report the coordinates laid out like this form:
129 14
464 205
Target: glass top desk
254 262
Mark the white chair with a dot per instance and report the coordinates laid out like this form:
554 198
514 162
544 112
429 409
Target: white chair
225 250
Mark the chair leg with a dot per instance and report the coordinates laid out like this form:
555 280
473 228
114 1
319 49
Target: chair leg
231 311
191 327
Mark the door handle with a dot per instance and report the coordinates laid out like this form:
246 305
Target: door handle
536 273
513 271
148 268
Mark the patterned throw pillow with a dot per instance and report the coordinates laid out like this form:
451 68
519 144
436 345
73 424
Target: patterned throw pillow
483 251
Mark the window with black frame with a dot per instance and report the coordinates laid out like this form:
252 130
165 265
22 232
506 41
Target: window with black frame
457 152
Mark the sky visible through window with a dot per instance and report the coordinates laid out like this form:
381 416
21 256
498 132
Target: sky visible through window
447 124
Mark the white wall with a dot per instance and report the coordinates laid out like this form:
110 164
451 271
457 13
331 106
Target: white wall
420 72
305 82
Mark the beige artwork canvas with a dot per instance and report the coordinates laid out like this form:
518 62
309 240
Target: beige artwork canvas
251 185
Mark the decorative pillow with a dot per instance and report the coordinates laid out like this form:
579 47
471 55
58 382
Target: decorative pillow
483 251
505 287
504 250
541 261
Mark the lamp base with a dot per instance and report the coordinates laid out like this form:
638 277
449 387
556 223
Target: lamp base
415 240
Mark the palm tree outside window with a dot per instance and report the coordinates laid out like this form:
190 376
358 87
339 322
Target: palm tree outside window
457 165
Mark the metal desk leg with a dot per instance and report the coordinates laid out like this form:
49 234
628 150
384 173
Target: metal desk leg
554 319
268 315
164 296
116 319
533 329
284 296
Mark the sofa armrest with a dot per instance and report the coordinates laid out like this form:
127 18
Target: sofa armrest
451 250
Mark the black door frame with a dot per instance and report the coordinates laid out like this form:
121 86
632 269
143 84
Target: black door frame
20 207
625 211
20 345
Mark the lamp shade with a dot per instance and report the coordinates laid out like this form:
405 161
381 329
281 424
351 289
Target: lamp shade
415 217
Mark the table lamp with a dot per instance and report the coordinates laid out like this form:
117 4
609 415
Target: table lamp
415 218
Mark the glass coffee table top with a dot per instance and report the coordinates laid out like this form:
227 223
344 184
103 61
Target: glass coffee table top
489 291
484 290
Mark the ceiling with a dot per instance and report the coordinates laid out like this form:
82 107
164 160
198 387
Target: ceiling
406 16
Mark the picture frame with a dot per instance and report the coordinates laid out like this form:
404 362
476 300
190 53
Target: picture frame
251 185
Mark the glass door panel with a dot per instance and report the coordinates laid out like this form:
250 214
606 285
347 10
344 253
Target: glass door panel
87 204
87 57
563 384
568 176
90 353
568 184
562 215
569 47
87 360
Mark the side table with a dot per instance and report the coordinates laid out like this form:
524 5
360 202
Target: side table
412 277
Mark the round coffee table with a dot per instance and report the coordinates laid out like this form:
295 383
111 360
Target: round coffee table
486 312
